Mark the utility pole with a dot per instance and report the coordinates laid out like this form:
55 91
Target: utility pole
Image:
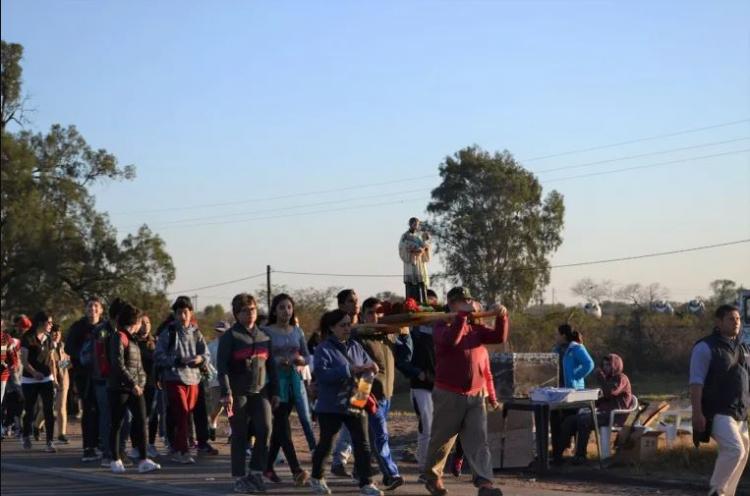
195 302
553 296
268 288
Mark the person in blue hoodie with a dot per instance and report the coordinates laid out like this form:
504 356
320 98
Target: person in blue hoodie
338 361
575 365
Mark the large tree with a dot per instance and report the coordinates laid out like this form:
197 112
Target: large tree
57 249
492 227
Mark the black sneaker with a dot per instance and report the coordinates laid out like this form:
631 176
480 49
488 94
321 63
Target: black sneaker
90 455
257 481
207 449
391 483
244 485
340 471
36 433
62 439
489 491
212 433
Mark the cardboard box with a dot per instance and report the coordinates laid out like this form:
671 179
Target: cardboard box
641 446
519 439
515 374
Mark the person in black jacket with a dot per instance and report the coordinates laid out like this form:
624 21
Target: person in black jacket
77 335
125 386
415 358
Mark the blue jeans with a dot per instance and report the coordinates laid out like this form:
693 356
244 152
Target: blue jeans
303 412
379 439
105 422
343 449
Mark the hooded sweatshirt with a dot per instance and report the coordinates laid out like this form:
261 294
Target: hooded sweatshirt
616 391
174 344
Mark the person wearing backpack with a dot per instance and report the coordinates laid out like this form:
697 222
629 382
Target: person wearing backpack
180 352
126 385
98 348
78 334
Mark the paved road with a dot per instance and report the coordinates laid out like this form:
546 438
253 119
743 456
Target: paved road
32 473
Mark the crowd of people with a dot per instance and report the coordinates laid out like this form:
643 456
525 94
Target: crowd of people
132 384
129 383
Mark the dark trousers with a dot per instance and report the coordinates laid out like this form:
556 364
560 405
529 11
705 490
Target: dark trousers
560 439
45 390
119 401
282 438
330 424
416 291
582 425
252 409
149 395
90 413
200 416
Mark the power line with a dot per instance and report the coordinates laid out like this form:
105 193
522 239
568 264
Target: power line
420 190
431 176
559 266
657 164
641 155
280 197
218 284
404 200
637 140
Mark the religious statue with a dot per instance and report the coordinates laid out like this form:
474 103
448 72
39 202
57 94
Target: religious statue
414 250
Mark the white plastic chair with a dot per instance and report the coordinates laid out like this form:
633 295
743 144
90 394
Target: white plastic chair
605 431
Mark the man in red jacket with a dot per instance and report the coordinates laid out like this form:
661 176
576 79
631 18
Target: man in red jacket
459 393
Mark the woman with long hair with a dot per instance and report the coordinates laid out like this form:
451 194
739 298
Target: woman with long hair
290 354
38 378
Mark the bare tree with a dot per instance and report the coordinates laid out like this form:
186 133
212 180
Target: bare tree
592 290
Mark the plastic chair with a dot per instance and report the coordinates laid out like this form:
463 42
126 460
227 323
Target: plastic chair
605 431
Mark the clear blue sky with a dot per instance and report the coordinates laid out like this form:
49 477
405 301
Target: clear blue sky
221 102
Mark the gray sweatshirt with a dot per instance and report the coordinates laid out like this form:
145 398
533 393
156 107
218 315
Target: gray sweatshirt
175 344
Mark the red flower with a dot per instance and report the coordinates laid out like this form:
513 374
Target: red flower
411 305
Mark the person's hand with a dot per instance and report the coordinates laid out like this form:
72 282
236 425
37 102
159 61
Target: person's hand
137 390
403 331
158 385
500 310
422 376
227 401
275 400
494 405
699 422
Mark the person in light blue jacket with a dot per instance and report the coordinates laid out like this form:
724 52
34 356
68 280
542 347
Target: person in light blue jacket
575 365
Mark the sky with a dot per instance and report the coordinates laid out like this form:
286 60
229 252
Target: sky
303 135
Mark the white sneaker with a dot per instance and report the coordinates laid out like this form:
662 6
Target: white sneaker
148 465
370 490
319 486
117 467
183 458
151 451
134 454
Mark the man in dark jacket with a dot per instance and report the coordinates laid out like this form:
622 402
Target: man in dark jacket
80 332
125 386
720 394
247 378
415 358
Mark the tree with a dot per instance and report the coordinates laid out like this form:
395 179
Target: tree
724 291
56 248
11 101
591 290
492 228
643 296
